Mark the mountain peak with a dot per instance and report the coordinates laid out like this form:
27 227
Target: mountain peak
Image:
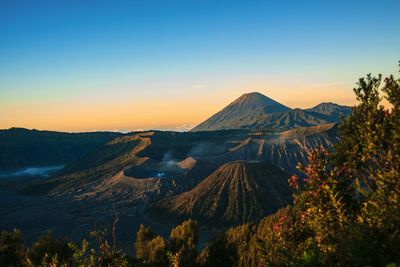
244 111
251 95
331 109
326 104
257 111
256 98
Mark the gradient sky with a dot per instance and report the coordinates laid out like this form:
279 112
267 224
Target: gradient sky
127 65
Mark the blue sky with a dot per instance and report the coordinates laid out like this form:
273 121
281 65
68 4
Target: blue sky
107 54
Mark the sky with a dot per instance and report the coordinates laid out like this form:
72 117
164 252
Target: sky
129 65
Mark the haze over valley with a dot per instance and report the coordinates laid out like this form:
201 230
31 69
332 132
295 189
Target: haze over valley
249 149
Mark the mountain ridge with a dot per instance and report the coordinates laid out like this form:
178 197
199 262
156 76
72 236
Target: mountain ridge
256 111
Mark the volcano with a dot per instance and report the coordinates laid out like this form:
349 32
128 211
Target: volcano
237 192
241 113
255 111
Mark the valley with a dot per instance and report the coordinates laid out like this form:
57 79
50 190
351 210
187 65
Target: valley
220 177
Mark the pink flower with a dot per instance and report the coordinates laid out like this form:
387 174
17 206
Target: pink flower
276 228
294 182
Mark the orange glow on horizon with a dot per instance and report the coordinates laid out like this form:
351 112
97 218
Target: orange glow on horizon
146 113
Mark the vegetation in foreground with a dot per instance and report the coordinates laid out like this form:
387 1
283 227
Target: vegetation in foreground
346 210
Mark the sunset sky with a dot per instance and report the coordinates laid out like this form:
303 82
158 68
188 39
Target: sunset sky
128 65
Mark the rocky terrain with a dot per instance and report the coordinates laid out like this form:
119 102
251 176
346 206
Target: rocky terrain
231 169
145 167
237 192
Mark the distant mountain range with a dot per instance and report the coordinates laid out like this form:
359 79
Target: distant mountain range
21 147
174 169
232 168
256 111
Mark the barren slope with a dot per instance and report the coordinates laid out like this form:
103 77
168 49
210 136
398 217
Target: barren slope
238 192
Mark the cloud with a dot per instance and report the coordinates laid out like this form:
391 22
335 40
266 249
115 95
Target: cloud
198 86
182 128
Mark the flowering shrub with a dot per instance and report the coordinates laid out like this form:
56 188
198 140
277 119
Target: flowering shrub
349 200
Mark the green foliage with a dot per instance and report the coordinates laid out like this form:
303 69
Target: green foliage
180 250
347 208
218 252
143 239
150 249
47 249
50 252
106 254
183 241
12 249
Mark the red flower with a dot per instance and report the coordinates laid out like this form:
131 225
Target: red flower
276 228
282 219
294 182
